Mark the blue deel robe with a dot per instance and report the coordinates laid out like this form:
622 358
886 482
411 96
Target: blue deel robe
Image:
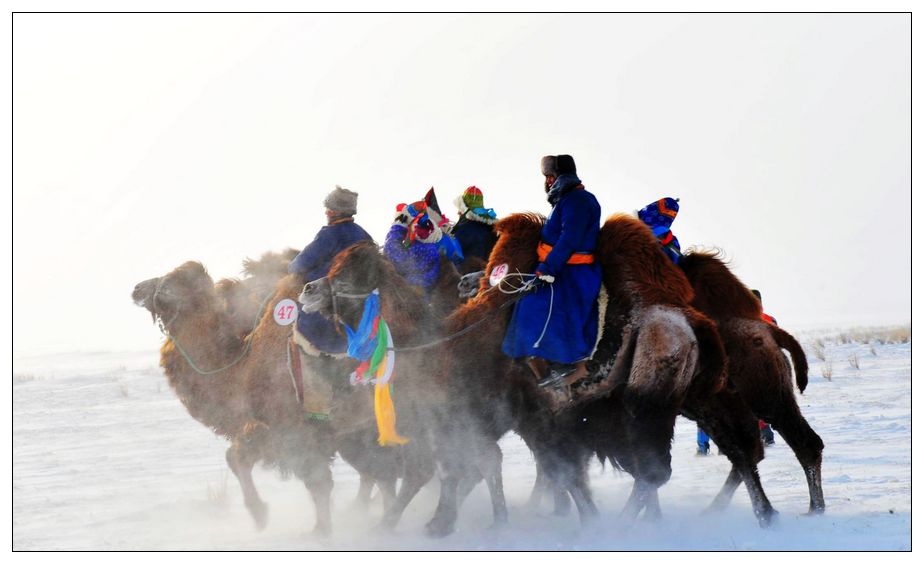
419 263
571 334
313 263
476 238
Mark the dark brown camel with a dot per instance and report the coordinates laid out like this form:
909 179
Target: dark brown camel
757 370
249 398
355 273
657 357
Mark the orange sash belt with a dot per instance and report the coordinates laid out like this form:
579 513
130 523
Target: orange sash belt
576 258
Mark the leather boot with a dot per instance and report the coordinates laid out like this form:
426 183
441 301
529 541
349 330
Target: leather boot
539 366
564 374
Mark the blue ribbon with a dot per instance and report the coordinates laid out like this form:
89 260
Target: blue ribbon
361 342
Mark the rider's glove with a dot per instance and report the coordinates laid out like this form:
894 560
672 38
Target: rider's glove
547 278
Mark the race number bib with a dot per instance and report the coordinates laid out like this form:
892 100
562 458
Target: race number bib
497 274
285 312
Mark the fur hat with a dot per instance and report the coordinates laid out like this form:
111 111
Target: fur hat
557 165
342 201
660 214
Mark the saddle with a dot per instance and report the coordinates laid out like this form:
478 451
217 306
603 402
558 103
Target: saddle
606 369
321 385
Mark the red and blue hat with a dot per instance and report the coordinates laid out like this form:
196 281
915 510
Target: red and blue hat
660 214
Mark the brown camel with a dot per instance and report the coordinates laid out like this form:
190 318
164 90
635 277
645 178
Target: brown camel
244 392
437 424
657 357
757 370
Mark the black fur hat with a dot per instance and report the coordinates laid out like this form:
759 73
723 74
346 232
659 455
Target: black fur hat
558 165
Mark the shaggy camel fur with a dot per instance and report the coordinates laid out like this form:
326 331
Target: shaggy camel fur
355 273
758 370
657 357
251 401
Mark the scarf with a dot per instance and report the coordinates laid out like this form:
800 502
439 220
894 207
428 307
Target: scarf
372 345
563 184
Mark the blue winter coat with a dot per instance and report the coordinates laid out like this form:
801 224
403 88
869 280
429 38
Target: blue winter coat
476 238
313 263
569 317
419 263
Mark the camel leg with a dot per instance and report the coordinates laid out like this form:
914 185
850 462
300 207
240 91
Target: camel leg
562 502
540 486
319 482
807 446
241 461
733 428
653 507
724 497
544 485
387 489
364 494
447 509
566 472
467 485
490 464
639 498
580 493
419 468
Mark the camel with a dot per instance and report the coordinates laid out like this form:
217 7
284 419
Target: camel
354 275
243 391
657 357
757 370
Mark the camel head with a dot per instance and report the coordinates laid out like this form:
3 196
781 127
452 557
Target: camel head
186 289
354 274
519 236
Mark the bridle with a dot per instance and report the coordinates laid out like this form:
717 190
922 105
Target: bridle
161 324
335 295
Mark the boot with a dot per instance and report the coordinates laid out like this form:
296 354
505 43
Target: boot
564 374
539 366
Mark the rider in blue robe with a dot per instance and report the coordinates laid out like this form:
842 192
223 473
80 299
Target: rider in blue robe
557 321
315 260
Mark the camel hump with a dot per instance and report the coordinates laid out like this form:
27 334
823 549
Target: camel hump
718 292
788 342
713 362
631 255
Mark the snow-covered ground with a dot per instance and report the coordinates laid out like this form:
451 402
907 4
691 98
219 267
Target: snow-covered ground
105 457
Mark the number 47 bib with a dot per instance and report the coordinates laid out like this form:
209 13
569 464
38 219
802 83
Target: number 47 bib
285 312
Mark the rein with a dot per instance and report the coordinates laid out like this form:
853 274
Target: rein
244 351
520 290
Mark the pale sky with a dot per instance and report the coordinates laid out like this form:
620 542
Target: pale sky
142 141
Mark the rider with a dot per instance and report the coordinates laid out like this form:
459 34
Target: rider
315 260
766 433
413 244
658 216
555 326
474 230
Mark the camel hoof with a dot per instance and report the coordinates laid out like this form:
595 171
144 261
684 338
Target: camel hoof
387 524
321 532
260 513
438 528
499 524
770 519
